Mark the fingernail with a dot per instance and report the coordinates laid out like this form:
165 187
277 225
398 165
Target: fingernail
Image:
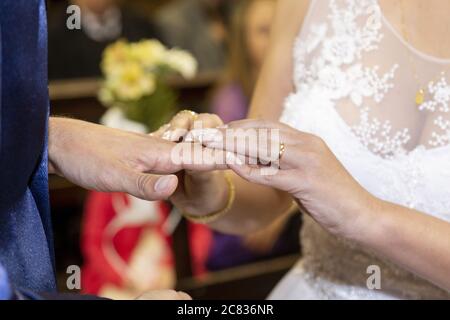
178 135
207 135
213 145
163 183
189 137
167 135
217 138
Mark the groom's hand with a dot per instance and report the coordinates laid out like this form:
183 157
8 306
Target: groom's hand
110 160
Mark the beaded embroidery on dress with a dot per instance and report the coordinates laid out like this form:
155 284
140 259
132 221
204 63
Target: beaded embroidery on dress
353 88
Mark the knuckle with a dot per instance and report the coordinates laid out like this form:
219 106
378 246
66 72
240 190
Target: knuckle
210 120
317 142
216 120
141 183
181 121
263 123
180 131
310 158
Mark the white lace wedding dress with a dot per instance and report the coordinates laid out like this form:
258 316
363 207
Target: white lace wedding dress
355 87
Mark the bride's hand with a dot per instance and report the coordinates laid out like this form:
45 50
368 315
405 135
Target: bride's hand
307 169
200 191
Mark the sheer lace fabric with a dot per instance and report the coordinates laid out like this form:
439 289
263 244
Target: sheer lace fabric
355 88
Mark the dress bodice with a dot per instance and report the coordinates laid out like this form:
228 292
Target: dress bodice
354 89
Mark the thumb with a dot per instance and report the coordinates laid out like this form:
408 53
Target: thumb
150 187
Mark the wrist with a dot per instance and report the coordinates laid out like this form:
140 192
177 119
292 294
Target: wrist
207 191
369 224
53 134
221 205
60 142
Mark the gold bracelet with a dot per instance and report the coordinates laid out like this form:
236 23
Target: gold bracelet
292 208
218 214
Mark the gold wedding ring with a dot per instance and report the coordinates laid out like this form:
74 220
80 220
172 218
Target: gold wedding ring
282 151
193 114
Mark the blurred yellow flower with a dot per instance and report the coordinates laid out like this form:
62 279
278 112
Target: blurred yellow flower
149 53
132 70
106 96
114 56
135 80
182 62
131 82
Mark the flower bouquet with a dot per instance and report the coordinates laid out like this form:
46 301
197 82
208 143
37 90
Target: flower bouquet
135 83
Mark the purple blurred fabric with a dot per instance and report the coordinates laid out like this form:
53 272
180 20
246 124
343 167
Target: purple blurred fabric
230 103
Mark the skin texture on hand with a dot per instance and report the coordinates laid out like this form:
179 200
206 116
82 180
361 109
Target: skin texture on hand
308 171
109 160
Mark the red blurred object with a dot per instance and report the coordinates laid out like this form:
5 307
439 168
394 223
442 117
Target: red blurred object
112 233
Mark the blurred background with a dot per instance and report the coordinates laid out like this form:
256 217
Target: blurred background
133 65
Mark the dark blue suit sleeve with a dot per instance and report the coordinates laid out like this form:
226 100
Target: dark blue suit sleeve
8 292
5 287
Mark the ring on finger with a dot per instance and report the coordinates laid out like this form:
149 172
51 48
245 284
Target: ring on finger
282 151
193 114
